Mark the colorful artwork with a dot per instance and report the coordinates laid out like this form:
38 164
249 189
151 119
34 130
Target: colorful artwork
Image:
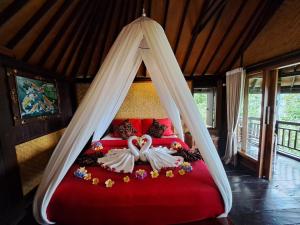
36 97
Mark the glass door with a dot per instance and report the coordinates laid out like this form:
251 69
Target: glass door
249 128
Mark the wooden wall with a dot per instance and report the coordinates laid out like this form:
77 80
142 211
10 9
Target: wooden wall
12 202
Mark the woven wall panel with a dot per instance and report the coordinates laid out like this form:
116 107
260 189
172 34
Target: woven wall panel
281 35
32 158
142 101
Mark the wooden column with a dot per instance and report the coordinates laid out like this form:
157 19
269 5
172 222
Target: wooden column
272 78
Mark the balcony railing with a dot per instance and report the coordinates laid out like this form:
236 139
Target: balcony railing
288 140
287 135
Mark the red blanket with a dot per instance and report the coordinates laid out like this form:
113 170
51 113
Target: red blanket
193 196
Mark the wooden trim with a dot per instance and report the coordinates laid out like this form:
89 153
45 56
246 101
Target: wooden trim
277 61
136 79
7 52
247 161
262 140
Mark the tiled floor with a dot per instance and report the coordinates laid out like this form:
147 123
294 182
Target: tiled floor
257 201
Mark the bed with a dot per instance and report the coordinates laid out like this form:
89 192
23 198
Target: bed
191 197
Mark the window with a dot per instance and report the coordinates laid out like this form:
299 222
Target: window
205 99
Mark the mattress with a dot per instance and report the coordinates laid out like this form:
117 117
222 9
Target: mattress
191 197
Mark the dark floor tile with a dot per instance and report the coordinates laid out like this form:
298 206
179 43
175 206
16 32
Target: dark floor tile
271 217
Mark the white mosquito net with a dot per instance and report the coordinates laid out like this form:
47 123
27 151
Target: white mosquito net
142 40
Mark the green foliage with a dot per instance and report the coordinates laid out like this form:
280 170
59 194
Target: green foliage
289 107
254 105
201 101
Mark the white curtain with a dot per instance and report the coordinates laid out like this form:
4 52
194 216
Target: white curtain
234 93
106 94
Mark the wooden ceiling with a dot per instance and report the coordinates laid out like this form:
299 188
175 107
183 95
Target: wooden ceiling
72 38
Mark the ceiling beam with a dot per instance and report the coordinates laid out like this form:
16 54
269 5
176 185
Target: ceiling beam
148 8
29 24
79 17
260 23
212 11
255 13
99 48
86 62
82 42
228 30
207 40
47 29
104 34
113 28
166 9
79 33
184 14
86 39
11 10
133 13
59 34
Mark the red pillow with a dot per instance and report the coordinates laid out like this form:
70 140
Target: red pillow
167 122
136 123
146 124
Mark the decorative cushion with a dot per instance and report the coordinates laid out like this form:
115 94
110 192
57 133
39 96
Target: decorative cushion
156 129
136 124
169 128
147 123
125 129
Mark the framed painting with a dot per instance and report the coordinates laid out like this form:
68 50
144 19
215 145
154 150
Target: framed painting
33 97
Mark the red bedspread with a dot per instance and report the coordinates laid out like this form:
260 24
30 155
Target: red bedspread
163 200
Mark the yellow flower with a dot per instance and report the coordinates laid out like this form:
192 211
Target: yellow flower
181 172
169 173
126 179
95 181
109 183
82 170
154 174
186 164
88 176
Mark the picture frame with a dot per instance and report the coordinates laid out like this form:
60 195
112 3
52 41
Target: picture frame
33 97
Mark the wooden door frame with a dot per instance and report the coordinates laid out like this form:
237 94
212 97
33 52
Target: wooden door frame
263 165
267 160
245 159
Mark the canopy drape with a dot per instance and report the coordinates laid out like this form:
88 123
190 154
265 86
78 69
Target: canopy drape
234 91
106 94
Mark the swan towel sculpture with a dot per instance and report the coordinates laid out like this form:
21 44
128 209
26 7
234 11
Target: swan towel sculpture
123 160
